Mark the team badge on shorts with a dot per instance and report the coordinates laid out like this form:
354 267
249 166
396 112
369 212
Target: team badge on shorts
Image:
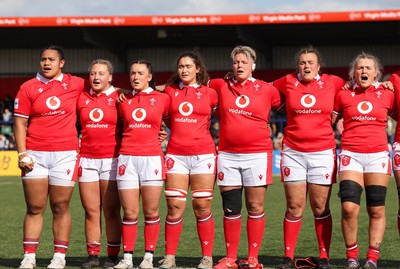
345 160
221 176
396 159
286 171
80 171
121 169
169 163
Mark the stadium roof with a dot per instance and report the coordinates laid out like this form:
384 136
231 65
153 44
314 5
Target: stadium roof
117 33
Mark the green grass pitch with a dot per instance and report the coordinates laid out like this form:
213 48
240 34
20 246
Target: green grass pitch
12 209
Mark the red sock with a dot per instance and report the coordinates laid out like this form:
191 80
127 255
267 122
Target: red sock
30 245
373 254
232 230
129 234
323 228
113 248
255 232
291 230
93 248
173 230
60 246
352 251
205 231
151 232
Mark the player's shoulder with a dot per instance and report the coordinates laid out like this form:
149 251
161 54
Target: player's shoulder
30 82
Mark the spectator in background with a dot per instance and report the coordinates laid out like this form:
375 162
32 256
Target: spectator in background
4 143
244 159
191 156
364 165
7 115
308 164
141 162
100 143
395 79
215 132
11 139
47 152
277 141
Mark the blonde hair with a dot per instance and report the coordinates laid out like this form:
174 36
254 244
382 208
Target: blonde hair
246 50
364 55
102 61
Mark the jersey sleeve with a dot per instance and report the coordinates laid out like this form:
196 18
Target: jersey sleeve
280 84
393 111
216 84
395 79
337 107
167 102
338 83
22 103
213 98
277 99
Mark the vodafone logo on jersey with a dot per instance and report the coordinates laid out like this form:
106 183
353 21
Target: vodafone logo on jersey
242 101
186 109
53 102
139 114
364 107
308 100
96 114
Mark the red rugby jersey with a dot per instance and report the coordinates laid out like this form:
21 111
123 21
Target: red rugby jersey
365 115
142 115
50 107
309 108
244 114
395 79
190 115
101 127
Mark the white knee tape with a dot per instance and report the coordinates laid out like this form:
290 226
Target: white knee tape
172 193
202 194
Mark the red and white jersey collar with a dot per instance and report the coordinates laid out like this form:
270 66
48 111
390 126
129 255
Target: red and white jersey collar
148 90
376 84
317 77
194 85
46 80
106 92
234 81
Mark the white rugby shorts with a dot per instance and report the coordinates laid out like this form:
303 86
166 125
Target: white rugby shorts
59 167
93 170
396 155
135 171
378 162
248 170
190 165
314 167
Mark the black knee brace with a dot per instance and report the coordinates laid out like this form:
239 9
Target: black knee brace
398 192
232 202
350 191
375 195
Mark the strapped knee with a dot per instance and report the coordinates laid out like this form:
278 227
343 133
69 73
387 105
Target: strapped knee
350 191
232 202
173 193
375 195
203 194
